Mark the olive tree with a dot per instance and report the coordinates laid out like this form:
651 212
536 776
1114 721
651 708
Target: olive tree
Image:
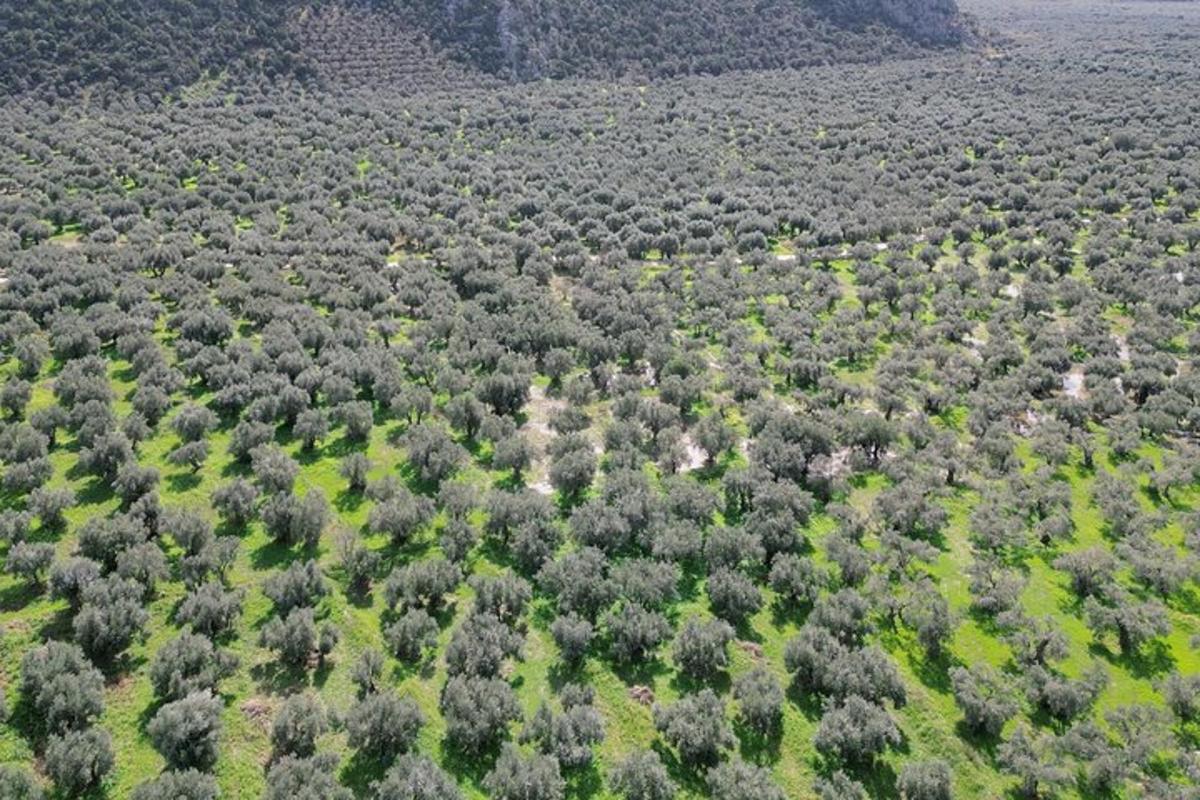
642 776
300 721
185 785
383 725
696 726
186 732
477 711
78 760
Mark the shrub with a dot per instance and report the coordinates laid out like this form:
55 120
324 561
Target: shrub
189 663
298 724
925 780
110 618
293 638
479 646
29 560
307 778
568 736
732 596
695 725
477 711
384 725
210 609
760 700
411 635
573 635
635 633
416 777
984 697
855 731
187 785
642 776
301 585
79 760
517 778
702 648
737 780
186 732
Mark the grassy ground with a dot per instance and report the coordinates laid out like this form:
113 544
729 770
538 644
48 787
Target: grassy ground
930 720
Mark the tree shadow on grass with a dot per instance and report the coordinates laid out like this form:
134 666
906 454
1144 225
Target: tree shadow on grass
28 721
757 748
639 674
878 777
306 457
783 612
343 446
1185 599
147 713
119 667
475 448
986 621
278 678
425 669
562 673
689 777
1150 660
690 579
934 672
746 633
469 768
58 625
236 469
99 791
195 391
181 482
347 501
496 552
718 682
567 502
713 471
227 528
542 614
1188 733
273 555
397 555
417 484
95 492
979 741
807 703
395 434
509 482
360 771
359 598
17 596
583 782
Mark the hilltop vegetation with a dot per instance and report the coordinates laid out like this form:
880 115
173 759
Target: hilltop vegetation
529 39
100 48
62 47
820 433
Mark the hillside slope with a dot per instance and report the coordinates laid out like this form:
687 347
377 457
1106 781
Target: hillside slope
64 48
530 39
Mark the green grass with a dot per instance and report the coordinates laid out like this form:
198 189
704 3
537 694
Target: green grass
930 719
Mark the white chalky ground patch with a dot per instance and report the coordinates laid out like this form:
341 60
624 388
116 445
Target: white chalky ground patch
695 456
1072 383
1122 349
